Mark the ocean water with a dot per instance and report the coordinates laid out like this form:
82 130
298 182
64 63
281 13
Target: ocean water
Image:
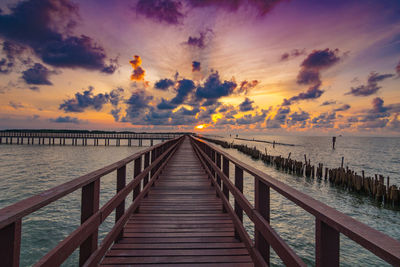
27 170
374 155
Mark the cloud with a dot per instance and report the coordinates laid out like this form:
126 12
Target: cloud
116 112
66 119
115 96
164 84
37 75
137 105
246 105
213 88
45 27
279 119
252 119
312 93
298 118
262 6
246 86
16 105
308 76
372 85
329 102
293 54
167 11
321 59
196 66
324 120
85 100
164 104
342 108
185 87
11 51
309 73
201 41
138 71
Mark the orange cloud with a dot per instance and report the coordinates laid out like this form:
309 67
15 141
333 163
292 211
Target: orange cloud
138 71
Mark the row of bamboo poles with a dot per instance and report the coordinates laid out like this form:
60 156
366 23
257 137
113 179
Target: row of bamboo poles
343 177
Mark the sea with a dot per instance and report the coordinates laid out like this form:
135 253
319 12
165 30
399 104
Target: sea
26 170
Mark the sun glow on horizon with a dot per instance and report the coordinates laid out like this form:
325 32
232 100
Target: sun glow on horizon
200 127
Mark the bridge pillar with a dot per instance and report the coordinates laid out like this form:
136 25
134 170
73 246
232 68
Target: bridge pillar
11 140
49 141
63 141
22 140
1 140
17 140
151 142
33 140
53 141
60 141
29 141
7 140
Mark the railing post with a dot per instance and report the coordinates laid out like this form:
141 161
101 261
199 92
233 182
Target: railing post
239 185
153 158
121 182
327 245
136 172
10 244
262 202
225 189
146 164
90 205
218 161
213 160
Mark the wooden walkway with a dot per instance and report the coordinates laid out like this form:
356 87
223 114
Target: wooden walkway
180 222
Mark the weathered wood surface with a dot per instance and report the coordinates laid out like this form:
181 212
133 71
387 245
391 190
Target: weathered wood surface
180 222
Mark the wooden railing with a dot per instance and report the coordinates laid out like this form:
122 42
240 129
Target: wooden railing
329 223
86 235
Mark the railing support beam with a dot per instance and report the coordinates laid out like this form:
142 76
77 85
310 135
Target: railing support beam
121 182
239 185
327 245
90 205
262 202
225 188
10 244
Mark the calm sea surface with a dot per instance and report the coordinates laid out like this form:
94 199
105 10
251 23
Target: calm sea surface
28 170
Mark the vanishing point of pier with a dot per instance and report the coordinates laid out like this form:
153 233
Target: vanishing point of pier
178 209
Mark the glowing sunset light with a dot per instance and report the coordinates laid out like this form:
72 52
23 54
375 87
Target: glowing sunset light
200 127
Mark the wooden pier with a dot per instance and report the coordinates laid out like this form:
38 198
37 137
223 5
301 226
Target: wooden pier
82 138
176 210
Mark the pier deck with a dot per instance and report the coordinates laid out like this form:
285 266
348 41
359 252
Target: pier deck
181 221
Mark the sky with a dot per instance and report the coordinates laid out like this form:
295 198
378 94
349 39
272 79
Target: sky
269 66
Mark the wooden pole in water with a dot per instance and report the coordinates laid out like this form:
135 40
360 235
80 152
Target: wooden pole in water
333 142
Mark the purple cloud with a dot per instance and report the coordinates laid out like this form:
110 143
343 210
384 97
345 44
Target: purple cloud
196 66
45 26
168 11
372 85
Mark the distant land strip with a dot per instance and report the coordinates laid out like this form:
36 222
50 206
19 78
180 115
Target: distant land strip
264 141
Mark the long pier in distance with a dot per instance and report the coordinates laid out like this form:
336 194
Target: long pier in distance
84 138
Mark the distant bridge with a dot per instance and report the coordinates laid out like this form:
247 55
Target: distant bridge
63 137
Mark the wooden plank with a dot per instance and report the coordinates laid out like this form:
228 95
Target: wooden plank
180 221
174 252
176 259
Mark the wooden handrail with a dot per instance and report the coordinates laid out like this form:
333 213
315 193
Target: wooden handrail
84 236
329 222
27 206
